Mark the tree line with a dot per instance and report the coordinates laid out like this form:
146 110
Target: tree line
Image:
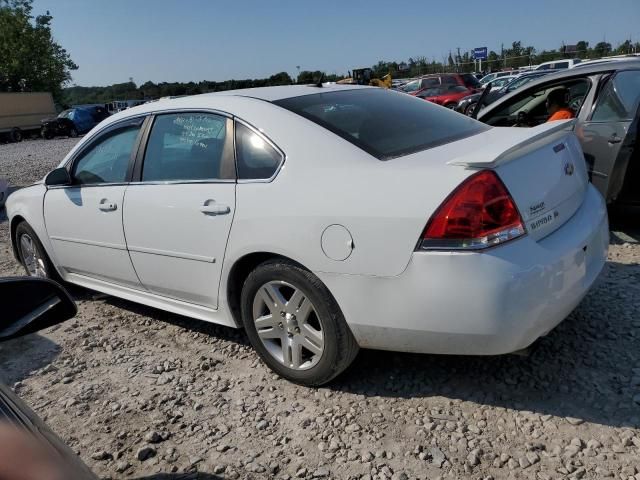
149 90
513 56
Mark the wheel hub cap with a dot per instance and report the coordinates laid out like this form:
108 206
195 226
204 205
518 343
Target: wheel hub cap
33 262
288 325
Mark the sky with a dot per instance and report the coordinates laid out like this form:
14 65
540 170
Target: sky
193 40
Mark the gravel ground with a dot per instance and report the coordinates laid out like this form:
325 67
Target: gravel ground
138 392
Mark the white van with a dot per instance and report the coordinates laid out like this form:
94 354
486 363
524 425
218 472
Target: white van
559 64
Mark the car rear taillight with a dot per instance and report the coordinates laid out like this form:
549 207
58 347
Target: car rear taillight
480 213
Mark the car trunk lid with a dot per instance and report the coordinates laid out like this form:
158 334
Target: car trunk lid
542 167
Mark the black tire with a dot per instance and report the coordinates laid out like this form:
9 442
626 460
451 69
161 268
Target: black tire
46 133
15 135
50 272
340 347
73 133
470 108
451 106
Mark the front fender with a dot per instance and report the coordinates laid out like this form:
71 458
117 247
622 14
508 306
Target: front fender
28 204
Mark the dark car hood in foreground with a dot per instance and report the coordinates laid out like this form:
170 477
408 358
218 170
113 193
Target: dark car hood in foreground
15 412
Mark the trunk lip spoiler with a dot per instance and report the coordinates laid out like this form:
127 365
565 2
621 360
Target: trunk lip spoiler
487 159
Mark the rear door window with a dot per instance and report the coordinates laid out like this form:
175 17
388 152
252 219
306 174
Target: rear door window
187 147
384 123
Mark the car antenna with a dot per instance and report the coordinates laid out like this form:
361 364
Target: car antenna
319 83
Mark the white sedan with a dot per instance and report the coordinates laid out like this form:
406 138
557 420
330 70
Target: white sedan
324 219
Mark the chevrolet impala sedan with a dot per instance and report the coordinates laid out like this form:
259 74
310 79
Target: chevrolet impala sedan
323 220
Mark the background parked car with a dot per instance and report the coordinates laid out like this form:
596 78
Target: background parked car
559 64
467 104
605 98
492 76
445 95
464 79
70 123
498 83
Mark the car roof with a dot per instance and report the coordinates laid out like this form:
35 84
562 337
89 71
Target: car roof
271 94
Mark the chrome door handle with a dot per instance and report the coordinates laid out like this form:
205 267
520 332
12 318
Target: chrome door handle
614 139
107 206
210 207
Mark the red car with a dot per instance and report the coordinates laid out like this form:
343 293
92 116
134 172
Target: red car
434 80
445 95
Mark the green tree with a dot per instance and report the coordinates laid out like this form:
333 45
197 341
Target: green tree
281 78
307 76
582 48
602 49
30 60
624 48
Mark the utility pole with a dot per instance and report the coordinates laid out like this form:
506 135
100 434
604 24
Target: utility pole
504 61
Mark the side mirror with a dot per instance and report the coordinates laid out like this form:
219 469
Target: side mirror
59 176
31 304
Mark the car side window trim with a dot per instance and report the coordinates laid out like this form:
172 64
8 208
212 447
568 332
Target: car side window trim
255 130
98 137
228 160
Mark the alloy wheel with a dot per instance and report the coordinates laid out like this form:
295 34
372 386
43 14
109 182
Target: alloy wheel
288 325
33 261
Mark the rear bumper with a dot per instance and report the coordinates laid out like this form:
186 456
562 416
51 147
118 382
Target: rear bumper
488 303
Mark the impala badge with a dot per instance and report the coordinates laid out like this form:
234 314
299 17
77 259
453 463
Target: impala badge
568 168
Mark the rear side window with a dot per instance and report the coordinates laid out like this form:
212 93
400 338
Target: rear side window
256 158
186 146
449 80
383 123
619 98
430 82
561 65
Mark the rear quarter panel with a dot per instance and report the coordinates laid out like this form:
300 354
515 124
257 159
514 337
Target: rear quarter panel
326 180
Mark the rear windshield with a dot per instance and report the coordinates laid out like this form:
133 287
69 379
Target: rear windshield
384 123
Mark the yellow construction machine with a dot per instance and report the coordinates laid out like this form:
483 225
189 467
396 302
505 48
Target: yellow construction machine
362 76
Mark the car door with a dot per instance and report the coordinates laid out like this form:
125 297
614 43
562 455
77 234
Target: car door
84 219
178 215
606 136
